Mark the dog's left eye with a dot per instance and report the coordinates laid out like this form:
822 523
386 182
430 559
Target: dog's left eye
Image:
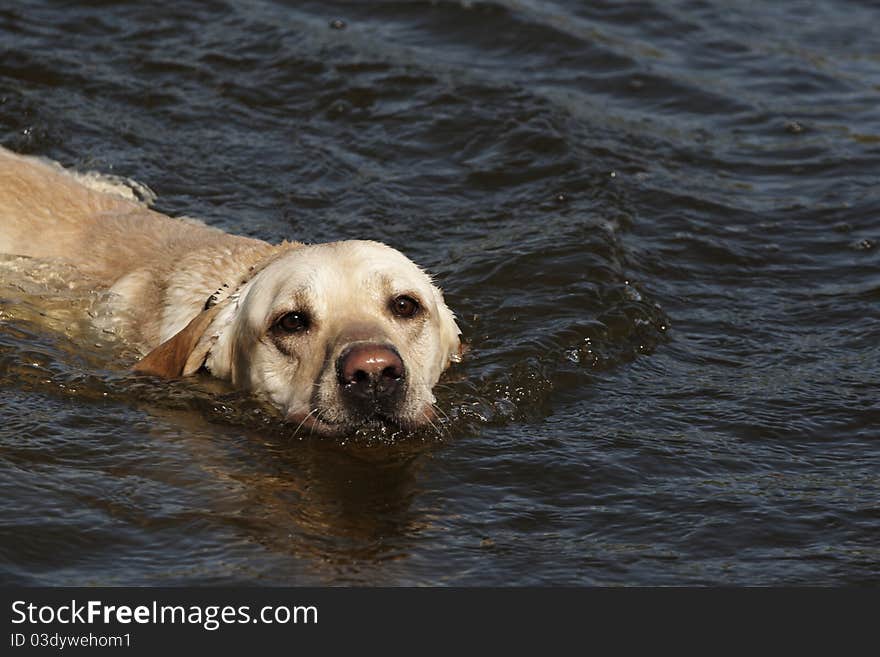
405 306
293 322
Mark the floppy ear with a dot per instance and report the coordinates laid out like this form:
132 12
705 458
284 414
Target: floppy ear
183 354
450 334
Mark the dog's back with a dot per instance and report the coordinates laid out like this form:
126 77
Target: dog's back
44 209
149 260
48 212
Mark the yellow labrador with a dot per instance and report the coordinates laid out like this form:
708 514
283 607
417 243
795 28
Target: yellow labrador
335 335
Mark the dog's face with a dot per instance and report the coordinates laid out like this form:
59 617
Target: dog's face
337 336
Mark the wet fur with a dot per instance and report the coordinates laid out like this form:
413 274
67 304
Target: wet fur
162 271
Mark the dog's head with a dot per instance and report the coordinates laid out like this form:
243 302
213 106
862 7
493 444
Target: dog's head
335 335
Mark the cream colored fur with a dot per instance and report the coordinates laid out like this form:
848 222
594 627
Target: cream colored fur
162 270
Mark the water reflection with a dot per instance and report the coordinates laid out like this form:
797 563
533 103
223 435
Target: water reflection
306 495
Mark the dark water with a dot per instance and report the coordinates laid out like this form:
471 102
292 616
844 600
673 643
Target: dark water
657 221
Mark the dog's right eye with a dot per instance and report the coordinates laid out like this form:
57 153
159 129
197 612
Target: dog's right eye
293 322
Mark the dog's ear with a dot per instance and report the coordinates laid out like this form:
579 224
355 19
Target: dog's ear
450 334
182 354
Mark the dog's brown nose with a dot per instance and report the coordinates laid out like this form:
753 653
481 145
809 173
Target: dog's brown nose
370 371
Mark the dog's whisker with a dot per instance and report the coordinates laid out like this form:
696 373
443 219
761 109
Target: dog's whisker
320 416
309 414
427 417
441 411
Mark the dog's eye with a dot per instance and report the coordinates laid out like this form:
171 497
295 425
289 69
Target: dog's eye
405 306
293 322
